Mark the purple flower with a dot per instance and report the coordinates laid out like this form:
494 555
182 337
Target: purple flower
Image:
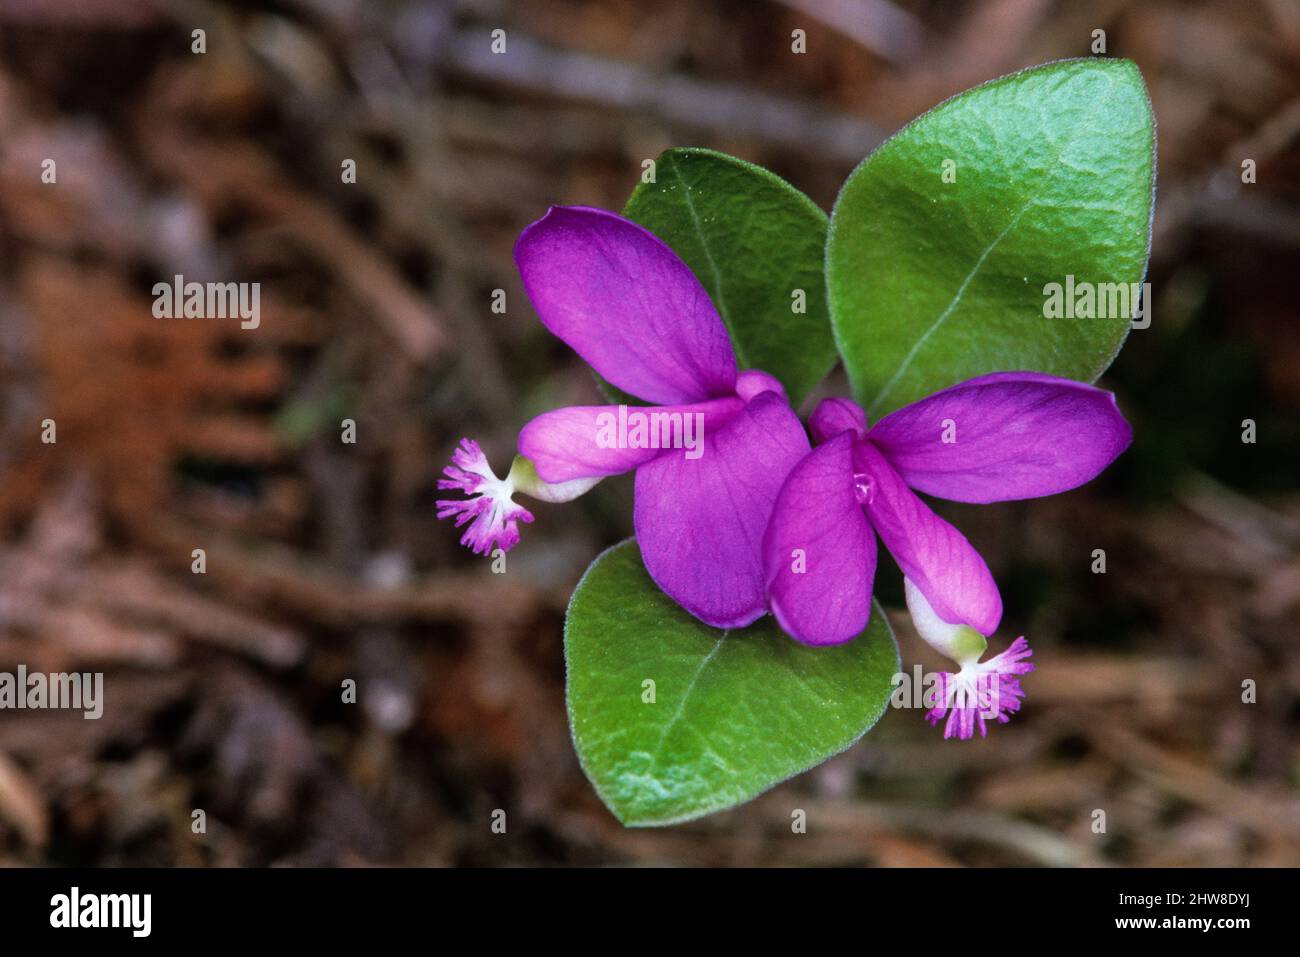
491 510
624 301
493 516
979 689
1009 435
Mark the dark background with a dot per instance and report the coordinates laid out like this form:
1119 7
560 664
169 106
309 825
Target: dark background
324 560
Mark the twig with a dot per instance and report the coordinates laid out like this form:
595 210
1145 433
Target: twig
217 171
1193 782
21 804
530 65
877 25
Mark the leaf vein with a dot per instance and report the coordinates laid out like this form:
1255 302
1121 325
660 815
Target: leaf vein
1030 201
690 686
720 301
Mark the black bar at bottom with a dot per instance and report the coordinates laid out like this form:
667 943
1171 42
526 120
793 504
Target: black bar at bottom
926 907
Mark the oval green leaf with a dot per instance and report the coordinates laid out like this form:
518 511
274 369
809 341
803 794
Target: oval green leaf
936 278
757 245
733 712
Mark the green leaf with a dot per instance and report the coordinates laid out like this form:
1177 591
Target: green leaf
933 282
752 239
734 712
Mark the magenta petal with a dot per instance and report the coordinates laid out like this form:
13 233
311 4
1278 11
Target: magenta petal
627 304
819 551
575 442
1009 435
751 382
700 523
934 555
833 416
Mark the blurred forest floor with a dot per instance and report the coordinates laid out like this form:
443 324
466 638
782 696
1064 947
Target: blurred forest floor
324 560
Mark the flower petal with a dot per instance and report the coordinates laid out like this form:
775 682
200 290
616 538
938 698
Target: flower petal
492 514
700 522
587 441
494 521
627 304
819 551
962 643
833 416
934 555
1009 435
989 689
751 382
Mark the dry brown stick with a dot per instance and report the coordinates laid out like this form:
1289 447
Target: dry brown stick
533 66
1193 782
136 592
414 203
1113 678
876 25
1032 841
21 804
282 578
1271 532
1218 202
220 170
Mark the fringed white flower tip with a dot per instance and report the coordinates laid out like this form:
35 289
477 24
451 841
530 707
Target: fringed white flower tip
490 510
978 690
492 514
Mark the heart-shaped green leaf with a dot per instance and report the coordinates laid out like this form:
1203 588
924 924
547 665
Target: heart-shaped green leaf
673 719
944 240
756 243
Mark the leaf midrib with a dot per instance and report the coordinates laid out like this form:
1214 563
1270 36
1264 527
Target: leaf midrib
1015 220
719 296
681 705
